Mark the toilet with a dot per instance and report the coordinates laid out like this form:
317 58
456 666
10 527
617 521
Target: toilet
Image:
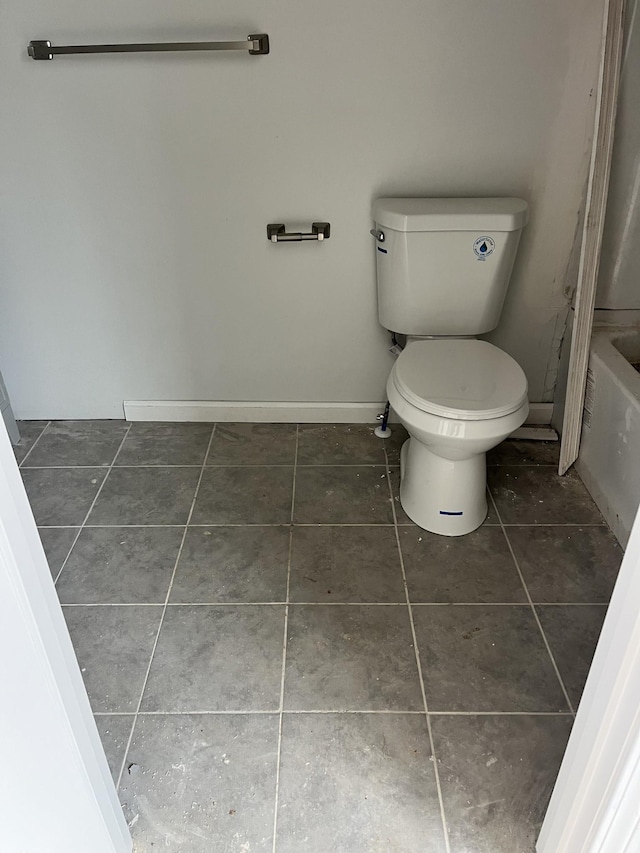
443 268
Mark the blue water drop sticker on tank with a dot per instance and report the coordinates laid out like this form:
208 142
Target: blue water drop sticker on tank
483 247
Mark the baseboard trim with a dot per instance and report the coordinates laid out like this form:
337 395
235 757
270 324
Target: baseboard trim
535 433
251 412
210 411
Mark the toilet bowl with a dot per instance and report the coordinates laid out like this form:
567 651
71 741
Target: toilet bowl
457 398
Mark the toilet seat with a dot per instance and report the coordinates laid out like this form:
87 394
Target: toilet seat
460 379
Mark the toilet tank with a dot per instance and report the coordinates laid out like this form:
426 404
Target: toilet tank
443 264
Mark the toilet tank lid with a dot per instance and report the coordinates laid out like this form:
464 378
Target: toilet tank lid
451 214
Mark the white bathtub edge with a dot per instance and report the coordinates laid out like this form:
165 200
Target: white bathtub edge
609 458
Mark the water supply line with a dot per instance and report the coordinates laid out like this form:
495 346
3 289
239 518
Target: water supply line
383 430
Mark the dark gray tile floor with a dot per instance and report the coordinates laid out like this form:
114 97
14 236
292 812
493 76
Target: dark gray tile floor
279 660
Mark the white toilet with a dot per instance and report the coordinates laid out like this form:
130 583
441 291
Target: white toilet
443 267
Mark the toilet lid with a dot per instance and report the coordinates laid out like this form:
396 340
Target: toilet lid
462 379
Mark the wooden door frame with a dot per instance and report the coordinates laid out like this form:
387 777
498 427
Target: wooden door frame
594 216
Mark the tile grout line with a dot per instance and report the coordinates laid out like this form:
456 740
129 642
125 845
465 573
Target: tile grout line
222 524
164 609
340 711
533 609
28 453
296 524
334 603
284 642
550 524
93 503
443 817
240 464
216 465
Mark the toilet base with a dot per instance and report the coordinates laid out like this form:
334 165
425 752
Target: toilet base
442 495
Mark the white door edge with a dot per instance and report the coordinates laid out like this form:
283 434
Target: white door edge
594 805
56 791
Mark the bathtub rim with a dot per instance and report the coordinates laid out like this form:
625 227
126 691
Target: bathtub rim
603 346
625 381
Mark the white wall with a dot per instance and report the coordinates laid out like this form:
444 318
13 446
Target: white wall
619 277
134 260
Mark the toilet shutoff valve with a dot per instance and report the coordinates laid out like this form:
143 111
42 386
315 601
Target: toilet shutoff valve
383 430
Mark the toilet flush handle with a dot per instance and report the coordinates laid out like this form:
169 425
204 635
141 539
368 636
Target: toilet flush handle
379 235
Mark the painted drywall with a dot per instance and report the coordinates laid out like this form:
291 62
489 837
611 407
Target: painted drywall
619 276
137 189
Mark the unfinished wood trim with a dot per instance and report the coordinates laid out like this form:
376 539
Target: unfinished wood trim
535 433
595 209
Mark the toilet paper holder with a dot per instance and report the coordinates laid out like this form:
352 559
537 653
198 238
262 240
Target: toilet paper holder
277 233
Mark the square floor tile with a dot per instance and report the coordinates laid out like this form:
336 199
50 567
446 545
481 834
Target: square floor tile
146 496
217 659
339 444
250 495
474 568
61 496
485 658
253 444
114 731
573 633
356 783
350 658
496 775
516 452
231 564
78 443
342 495
537 495
113 646
57 542
349 564
165 444
572 564
198 784
120 565
30 432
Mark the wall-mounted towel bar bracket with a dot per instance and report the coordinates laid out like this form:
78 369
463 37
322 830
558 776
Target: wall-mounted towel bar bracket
276 233
43 49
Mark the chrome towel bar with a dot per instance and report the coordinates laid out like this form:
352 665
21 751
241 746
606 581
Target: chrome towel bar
43 49
276 233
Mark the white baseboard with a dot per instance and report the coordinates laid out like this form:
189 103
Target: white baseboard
251 412
211 411
535 433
